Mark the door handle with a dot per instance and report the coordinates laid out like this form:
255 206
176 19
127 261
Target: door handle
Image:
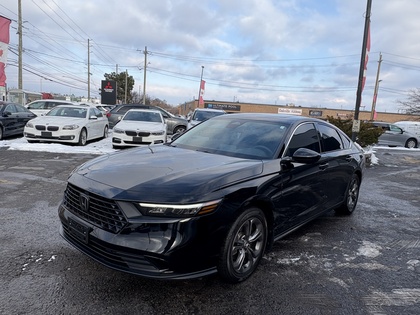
323 166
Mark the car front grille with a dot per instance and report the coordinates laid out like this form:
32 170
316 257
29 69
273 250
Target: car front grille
133 133
101 212
49 128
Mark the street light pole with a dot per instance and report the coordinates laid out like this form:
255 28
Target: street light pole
375 93
199 88
144 75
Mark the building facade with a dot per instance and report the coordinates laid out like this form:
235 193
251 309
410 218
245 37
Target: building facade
321 113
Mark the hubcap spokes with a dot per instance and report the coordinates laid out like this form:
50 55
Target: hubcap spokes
247 245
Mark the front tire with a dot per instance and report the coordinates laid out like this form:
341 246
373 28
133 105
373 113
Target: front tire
244 246
352 195
105 132
83 137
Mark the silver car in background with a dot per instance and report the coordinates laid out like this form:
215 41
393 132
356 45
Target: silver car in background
395 136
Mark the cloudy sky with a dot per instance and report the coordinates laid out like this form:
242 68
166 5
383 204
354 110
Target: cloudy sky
302 52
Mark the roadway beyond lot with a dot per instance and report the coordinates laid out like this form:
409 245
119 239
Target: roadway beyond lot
368 263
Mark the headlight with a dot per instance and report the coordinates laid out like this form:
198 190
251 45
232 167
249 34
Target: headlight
116 130
179 210
29 124
158 133
70 127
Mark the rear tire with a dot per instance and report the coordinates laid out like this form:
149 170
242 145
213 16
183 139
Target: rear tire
352 195
244 246
179 129
1 133
411 143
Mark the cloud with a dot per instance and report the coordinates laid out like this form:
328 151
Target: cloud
252 50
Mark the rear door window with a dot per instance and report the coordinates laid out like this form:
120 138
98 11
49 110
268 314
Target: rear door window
330 139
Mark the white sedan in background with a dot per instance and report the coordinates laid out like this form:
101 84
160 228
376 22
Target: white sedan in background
139 127
68 124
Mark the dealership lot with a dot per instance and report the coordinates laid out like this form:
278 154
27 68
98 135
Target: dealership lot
368 263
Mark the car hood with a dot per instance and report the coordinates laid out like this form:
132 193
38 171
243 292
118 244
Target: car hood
143 125
162 174
57 120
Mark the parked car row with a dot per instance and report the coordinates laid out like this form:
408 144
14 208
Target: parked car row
59 128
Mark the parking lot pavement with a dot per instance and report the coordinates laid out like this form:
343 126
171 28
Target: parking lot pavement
368 263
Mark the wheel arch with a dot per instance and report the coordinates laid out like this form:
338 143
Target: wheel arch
359 174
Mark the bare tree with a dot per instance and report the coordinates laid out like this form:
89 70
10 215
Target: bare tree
412 104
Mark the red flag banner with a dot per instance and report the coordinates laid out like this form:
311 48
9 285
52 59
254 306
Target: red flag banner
202 87
366 58
4 43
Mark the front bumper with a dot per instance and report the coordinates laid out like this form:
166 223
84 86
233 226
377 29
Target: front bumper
153 248
70 136
124 140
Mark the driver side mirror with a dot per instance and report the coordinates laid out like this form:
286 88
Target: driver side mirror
301 155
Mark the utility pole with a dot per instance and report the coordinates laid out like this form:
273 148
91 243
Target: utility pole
20 49
88 70
144 75
356 121
375 93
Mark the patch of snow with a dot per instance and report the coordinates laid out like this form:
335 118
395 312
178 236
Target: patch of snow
369 249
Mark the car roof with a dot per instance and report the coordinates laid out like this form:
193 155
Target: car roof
51 100
144 110
209 110
381 123
118 106
271 117
7 103
75 106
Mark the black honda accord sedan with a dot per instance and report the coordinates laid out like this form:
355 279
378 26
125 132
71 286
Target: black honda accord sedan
214 199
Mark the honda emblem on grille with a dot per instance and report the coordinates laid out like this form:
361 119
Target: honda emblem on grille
84 202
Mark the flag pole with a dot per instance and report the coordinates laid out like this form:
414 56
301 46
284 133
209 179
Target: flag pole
356 122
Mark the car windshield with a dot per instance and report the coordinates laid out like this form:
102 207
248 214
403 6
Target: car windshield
204 115
68 112
142 116
237 137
